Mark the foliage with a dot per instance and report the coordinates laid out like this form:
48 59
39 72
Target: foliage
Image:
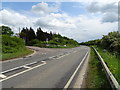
11 44
112 61
5 30
110 42
19 53
27 34
45 39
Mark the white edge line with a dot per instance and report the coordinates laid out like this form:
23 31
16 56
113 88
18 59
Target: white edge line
71 78
23 72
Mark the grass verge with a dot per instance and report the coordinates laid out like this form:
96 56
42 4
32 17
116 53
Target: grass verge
112 61
19 53
96 77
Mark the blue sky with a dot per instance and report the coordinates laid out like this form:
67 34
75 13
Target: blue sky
72 8
81 21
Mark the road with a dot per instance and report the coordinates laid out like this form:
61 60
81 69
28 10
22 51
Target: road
50 70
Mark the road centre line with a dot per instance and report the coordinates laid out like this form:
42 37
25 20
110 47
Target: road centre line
29 68
62 55
71 78
26 67
23 71
18 67
2 75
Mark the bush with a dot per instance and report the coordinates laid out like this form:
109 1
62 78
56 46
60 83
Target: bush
33 42
11 44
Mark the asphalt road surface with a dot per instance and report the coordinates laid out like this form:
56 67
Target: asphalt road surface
49 70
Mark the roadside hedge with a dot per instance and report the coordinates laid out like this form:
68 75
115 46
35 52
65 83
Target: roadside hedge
11 44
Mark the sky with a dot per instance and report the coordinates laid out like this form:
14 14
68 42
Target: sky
83 21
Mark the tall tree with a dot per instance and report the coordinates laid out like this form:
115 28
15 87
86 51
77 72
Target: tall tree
31 34
24 34
40 35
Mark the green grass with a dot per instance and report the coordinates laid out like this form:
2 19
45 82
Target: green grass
96 77
19 53
112 61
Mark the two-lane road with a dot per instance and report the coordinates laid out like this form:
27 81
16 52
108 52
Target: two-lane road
53 72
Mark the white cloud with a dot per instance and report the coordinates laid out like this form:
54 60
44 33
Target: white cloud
12 18
81 27
108 11
44 8
99 1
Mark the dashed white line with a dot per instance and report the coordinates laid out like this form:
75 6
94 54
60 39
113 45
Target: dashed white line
62 56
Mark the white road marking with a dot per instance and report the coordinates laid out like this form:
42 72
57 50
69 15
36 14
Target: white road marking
2 75
30 63
29 68
52 57
62 56
22 72
71 78
11 69
17 67
26 67
66 55
43 61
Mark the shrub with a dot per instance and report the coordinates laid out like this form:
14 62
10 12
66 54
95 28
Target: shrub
11 44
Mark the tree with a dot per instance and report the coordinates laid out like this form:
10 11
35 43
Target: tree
31 34
40 35
5 30
23 34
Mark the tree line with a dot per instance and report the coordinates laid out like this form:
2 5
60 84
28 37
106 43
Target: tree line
29 35
39 38
109 42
